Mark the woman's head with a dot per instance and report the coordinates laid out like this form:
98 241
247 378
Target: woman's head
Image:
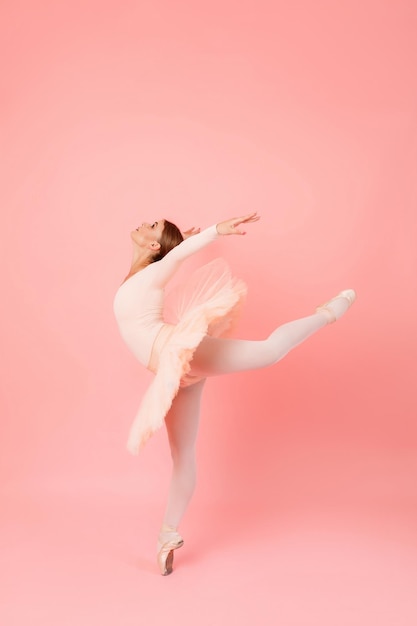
170 237
157 238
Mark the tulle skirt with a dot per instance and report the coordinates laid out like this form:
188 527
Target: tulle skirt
208 303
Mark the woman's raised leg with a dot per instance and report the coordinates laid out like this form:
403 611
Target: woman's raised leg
222 356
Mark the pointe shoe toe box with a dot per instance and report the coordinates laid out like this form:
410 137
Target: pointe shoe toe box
349 294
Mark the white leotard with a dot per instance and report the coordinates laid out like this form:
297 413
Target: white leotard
138 303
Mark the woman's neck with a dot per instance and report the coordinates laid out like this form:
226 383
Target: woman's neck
135 268
140 259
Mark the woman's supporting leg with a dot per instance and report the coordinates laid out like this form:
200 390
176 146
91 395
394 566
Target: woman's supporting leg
223 356
182 426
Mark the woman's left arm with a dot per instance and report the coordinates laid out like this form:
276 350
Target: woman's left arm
167 266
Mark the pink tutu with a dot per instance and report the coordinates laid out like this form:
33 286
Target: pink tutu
207 303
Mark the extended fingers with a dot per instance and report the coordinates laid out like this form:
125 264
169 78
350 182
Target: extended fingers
230 227
251 217
190 232
246 219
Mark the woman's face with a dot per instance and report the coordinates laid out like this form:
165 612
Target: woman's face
147 233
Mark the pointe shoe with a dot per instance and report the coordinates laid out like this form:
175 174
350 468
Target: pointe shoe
168 541
348 294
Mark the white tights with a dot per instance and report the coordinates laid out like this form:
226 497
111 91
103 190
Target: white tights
223 356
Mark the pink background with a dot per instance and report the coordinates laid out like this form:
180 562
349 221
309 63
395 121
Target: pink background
121 112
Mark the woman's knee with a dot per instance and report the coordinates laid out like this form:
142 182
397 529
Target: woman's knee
183 458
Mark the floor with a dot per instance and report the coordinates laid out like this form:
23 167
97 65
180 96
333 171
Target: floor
80 557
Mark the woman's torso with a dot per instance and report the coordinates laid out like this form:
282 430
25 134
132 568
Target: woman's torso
138 308
139 301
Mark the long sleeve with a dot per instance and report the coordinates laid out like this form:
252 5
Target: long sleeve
166 267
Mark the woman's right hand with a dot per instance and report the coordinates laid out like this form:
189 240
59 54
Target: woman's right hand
230 227
190 232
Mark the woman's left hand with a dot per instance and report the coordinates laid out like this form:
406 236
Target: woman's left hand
230 226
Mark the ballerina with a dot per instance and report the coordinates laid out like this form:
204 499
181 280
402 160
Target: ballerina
192 346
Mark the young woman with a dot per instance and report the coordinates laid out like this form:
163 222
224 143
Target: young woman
193 346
